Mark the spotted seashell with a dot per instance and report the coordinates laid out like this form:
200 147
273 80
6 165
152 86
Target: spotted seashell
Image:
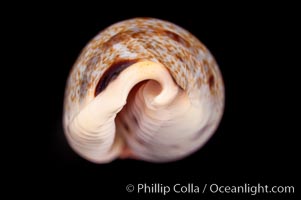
145 89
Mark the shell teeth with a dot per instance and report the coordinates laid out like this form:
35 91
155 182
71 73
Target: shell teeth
97 119
143 89
165 119
161 133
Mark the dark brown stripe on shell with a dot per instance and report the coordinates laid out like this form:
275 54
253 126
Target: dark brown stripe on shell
111 74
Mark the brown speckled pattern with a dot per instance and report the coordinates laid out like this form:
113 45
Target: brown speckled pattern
189 62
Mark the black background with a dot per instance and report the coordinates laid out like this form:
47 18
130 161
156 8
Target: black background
256 141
